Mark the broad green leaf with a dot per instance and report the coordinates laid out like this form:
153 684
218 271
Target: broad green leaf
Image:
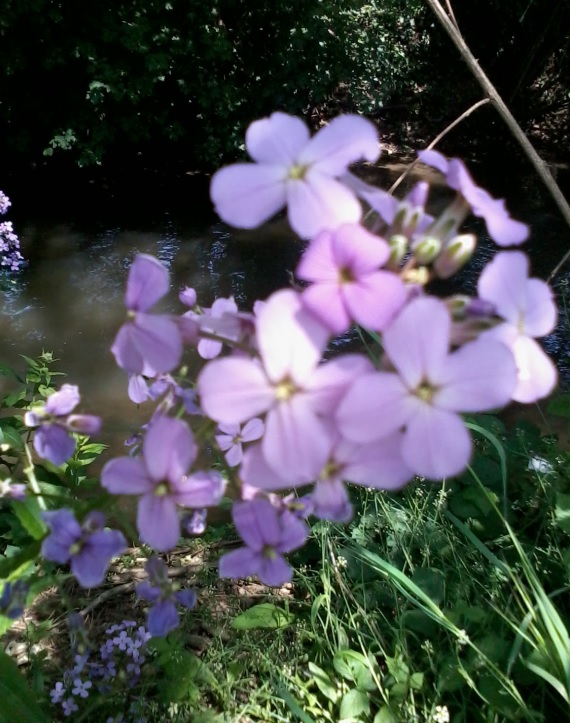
264 615
431 581
355 667
385 715
17 702
28 512
17 563
324 683
353 704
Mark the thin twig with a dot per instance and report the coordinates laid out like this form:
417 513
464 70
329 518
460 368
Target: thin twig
539 165
437 139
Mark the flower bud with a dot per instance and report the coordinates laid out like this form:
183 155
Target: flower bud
456 253
398 249
427 250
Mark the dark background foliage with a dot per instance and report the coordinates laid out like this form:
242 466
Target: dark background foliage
165 81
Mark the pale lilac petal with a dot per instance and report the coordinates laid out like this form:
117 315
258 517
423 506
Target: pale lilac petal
201 489
148 282
126 476
434 159
537 374
503 282
233 390
478 377
541 313
252 430
503 229
169 449
331 380
246 195
295 439
345 140
436 443
276 140
209 348
417 342
88 424
53 442
162 618
291 341
318 262
379 464
293 534
91 563
330 500
239 563
357 249
188 296
148 340
274 571
325 301
224 441
146 591
64 401
319 202
157 522
375 406
234 455
257 522
373 301
138 390
186 598
231 430
256 472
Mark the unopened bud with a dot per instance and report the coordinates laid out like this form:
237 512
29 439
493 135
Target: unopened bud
456 253
398 249
427 250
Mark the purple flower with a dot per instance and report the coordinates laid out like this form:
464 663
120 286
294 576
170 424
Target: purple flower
13 599
164 595
88 547
53 439
12 491
69 706
293 169
146 340
267 533
80 688
57 693
195 524
428 392
5 203
347 283
501 227
232 436
529 311
161 477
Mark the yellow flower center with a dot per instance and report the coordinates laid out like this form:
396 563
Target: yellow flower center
297 173
161 490
285 390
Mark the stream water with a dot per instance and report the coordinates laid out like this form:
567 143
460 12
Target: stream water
81 237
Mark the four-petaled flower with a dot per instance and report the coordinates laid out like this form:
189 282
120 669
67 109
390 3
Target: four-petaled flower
88 547
164 595
268 533
147 343
161 477
295 170
429 390
53 439
232 437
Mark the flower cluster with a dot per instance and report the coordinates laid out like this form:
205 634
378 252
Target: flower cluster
10 255
115 666
283 412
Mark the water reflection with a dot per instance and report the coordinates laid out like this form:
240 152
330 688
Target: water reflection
70 298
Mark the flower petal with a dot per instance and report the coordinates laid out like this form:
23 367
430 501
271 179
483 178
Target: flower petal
148 282
242 562
162 618
53 442
168 449
537 375
64 401
126 476
277 140
246 195
157 522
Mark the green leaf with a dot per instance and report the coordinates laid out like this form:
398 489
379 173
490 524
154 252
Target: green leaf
18 702
355 667
353 704
29 513
264 615
9 566
324 683
385 715
559 406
